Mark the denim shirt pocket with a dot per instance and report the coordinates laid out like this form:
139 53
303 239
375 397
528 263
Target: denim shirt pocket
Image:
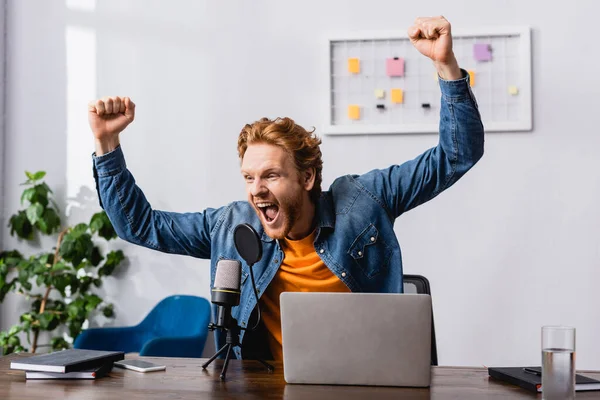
370 252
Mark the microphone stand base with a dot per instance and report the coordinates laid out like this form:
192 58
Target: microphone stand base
233 334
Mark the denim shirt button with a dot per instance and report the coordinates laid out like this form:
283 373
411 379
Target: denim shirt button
360 253
343 274
322 251
275 261
372 239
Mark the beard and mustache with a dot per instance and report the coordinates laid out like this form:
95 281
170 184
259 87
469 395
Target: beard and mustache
288 212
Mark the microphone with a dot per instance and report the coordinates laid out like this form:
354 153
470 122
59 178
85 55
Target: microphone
226 289
226 292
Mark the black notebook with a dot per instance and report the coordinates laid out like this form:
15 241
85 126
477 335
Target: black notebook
530 378
93 373
67 360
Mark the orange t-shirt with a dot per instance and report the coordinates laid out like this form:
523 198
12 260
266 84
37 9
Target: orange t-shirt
301 271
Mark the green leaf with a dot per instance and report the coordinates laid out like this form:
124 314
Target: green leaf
113 259
96 257
14 330
28 317
101 224
74 283
4 290
38 175
41 194
29 175
73 309
48 190
40 269
108 311
80 229
76 247
34 212
92 302
36 194
13 341
60 282
23 275
84 284
19 224
59 266
59 343
50 221
48 321
45 320
11 257
28 194
75 327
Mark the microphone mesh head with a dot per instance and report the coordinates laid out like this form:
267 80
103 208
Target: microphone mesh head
228 275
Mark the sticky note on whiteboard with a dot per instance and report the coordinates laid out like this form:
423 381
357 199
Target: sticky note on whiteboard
471 78
482 52
354 112
397 96
379 93
394 66
354 65
513 90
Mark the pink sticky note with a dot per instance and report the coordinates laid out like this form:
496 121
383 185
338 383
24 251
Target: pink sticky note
482 52
394 66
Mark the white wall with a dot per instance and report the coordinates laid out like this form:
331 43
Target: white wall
2 119
511 247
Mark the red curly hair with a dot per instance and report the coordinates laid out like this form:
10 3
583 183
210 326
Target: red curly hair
301 144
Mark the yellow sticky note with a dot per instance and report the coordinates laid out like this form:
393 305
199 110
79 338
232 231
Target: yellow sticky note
397 96
472 78
354 112
513 90
354 65
379 93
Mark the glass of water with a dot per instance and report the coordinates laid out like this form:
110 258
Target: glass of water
558 363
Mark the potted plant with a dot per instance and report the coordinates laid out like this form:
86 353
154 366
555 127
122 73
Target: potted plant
59 284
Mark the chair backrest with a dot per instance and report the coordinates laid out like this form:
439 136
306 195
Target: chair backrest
178 315
419 284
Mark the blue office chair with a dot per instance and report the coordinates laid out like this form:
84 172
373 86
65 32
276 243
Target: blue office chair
419 284
176 327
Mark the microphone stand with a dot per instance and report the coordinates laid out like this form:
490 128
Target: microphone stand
230 325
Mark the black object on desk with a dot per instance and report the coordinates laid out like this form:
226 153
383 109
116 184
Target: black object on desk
66 361
530 378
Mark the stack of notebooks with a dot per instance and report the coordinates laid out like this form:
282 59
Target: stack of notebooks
68 364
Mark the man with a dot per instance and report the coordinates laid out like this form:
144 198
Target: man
338 240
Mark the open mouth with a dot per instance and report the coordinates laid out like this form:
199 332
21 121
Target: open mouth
270 211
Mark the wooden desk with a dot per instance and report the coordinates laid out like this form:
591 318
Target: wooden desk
185 379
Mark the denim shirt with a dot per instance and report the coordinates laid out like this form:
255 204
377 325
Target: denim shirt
355 217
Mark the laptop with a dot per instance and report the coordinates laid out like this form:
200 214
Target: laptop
373 339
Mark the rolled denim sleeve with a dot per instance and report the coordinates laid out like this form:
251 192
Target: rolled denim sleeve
134 219
461 142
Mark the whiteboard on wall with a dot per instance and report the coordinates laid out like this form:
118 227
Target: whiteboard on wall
379 83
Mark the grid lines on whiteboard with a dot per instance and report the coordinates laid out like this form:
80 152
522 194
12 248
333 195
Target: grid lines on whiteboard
361 85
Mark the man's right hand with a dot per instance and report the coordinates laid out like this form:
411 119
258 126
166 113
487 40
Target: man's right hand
108 117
